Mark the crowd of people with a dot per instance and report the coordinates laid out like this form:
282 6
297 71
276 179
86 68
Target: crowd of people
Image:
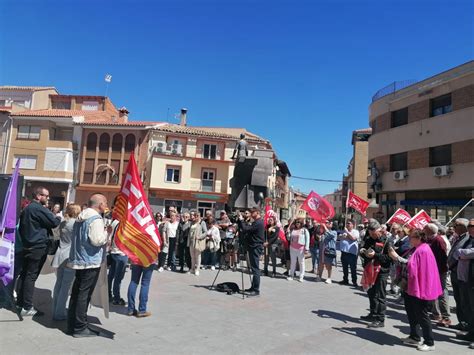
420 264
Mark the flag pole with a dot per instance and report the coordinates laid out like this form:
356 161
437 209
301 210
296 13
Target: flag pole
467 204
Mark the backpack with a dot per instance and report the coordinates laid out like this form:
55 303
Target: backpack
228 287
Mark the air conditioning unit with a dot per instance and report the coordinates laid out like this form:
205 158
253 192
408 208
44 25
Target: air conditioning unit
160 147
177 149
400 175
443 170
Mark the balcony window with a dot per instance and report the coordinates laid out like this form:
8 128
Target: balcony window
90 106
440 155
399 117
61 105
29 132
209 151
173 174
207 182
398 161
441 105
27 161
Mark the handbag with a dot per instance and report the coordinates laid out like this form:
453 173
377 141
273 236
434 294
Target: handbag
52 246
330 252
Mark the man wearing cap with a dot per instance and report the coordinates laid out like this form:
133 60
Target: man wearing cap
376 249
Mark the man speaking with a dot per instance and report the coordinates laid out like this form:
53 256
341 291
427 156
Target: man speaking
254 234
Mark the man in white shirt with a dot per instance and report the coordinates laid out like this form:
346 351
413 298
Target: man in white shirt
349 252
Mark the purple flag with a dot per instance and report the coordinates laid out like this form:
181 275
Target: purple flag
8 222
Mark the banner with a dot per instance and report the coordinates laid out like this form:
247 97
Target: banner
400 216
357 203
8 222
317 207
419 221
137 235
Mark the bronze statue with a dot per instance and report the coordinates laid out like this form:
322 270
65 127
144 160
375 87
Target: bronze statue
241 148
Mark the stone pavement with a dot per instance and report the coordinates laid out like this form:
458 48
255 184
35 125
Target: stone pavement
288 318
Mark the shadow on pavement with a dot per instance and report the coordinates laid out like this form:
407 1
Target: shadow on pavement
372 335
339 316
437 336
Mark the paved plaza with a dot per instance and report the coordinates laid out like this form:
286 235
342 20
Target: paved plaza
187 318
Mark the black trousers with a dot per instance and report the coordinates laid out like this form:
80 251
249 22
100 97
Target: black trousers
270 252
82 289
466 291
417 312
254 258
462 317
349 260
184 254
33 261
378 298
172 254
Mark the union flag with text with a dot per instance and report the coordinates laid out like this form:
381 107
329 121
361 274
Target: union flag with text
357 203
400 216
137 235
420 220
318 208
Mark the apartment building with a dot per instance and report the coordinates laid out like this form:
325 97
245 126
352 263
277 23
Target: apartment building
47 140
190 167
421 150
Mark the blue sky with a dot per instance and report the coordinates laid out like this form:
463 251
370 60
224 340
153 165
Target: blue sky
300 73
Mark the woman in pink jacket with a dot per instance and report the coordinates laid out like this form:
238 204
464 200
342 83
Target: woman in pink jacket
420 283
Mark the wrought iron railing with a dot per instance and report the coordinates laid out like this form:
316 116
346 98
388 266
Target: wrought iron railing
391 88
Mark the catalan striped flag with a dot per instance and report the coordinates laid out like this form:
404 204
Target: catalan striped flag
137 235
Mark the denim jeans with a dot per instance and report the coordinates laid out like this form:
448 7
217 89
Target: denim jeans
254 257
64 279
116 274
145 274
314 257
172 254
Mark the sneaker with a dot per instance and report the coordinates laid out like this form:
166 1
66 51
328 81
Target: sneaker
328 281
369 317
168 268
445 322
301 279
86 333
213 268
143 314
289 278
196 273
343 282
161 269
376 324
424 347
411 341
471 346
31 312
120 302
132 313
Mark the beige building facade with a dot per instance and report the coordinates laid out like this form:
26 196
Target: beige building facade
422 146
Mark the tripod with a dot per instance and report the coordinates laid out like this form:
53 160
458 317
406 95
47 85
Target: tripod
242 253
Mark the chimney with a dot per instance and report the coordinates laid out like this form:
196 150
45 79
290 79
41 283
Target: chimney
123 113
184 112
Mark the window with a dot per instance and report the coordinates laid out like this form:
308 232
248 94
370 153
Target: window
88 171
441 105
3 103
29 132
27 161
60 134
207 182
91 142
440 155
61 105
173 174
400 117
90 106
398 161
209 151
203 207
129 143
104 142
117 143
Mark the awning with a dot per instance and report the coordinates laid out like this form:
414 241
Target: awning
433 202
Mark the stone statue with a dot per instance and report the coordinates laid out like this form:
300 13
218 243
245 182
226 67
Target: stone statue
241 148
375 182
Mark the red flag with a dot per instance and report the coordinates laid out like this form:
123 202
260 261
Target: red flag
268 213
357 203
271 213
137 235
317 207
420 220
400 216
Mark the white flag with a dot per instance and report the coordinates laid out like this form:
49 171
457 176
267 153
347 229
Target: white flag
108 78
